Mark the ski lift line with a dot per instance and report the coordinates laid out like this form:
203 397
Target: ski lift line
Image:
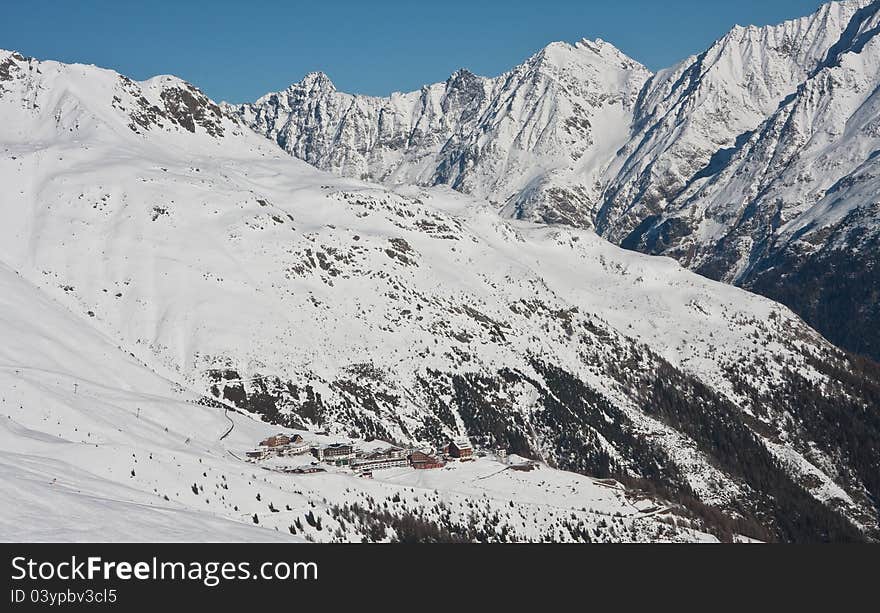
95 384
226 408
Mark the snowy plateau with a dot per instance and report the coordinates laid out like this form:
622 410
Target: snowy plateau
175 287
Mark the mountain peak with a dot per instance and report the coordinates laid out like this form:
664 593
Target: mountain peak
165 81
829 18
598 46
6 53
8 60
462 78
317 80
463 73
585 52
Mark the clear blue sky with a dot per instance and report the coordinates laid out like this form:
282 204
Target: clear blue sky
238 50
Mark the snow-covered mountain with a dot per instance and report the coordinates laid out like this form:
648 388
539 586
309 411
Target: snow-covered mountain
690 118
756 164
752 162
218 266
534 140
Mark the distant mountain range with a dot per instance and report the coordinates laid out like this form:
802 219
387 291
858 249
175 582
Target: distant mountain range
754 163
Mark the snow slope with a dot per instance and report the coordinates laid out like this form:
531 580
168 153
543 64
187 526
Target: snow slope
95 446
78 415
218 262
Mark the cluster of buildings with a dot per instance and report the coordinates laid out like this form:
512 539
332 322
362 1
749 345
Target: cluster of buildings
279 445
363 462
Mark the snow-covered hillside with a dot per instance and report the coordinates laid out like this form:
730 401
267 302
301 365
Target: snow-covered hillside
96 446
219 263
